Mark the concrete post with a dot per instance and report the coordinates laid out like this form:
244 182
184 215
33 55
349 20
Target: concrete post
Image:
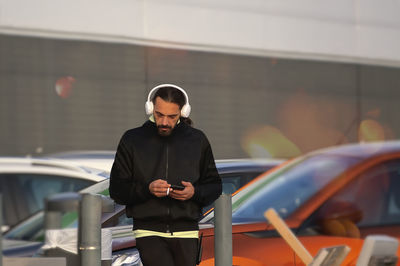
223 231
89 230
1 233
52 220
56 204
90 208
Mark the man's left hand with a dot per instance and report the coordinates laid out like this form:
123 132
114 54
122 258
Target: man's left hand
184 194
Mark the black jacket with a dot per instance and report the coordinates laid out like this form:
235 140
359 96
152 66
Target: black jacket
144 156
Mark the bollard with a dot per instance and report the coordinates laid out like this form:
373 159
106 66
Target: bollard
52 220
223 231
18 261
89 208
1 233
57 204
89 230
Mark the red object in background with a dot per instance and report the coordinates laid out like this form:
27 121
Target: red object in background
64 86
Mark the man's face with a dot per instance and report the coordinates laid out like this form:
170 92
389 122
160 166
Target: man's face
166 115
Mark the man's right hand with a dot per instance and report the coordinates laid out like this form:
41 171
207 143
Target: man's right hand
159 188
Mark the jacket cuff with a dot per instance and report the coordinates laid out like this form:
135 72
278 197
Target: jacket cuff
147 192
197 195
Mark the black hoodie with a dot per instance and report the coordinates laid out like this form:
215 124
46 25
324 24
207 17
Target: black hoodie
144 156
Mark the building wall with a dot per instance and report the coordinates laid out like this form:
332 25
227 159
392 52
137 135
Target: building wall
255 106
354 31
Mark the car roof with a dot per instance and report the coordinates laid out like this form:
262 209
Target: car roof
50 166
100 159
362 150
83 154
246 164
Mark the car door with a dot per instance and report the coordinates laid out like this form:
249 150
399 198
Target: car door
368 205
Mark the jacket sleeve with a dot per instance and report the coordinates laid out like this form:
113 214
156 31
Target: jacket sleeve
124 188
209 187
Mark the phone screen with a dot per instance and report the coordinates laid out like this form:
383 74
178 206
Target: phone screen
177 187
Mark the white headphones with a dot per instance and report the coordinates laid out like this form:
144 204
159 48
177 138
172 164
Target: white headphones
149 107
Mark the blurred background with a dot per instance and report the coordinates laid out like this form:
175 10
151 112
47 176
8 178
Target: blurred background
265 78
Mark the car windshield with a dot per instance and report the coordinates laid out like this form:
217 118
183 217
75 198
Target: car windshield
32 228
289 187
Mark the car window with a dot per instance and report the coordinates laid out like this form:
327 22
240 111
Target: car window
372 199
288 188
41 186
247 177
230 183
25 193
392 216
31 229
14 206
118 219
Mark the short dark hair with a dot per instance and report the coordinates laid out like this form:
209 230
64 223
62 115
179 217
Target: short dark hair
173 95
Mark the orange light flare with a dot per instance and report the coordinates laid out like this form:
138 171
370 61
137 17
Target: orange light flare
370 129
64 86
312 122
267 141
304 123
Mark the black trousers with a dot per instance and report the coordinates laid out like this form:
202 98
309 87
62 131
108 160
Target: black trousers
161 251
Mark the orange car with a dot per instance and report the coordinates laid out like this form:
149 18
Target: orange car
330 197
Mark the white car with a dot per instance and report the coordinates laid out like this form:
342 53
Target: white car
99 159
26 238
26 182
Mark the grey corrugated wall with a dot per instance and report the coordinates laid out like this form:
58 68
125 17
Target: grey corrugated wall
231 95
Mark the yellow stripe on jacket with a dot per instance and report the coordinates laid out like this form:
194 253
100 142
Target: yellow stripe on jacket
182 234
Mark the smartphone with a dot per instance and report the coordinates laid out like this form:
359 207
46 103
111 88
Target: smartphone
177 187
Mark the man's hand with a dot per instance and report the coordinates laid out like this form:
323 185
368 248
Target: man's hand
159 188
184 194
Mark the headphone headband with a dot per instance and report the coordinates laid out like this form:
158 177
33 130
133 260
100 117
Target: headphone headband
149 107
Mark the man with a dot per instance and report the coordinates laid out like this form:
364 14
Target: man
164 172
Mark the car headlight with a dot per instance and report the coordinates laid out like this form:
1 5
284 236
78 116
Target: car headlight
128 257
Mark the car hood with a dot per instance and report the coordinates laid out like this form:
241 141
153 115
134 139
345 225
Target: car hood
20 248
11 243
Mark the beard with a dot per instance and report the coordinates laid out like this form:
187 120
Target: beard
164 130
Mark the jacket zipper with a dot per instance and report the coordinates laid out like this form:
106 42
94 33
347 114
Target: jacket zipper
166 178
166 167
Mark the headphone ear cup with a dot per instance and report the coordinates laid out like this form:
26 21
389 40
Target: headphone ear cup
185 111
148 106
